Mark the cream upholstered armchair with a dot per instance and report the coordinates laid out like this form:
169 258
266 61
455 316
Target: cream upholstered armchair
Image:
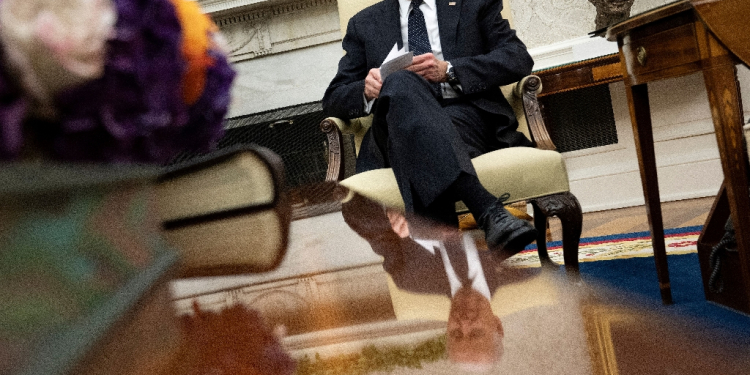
536 175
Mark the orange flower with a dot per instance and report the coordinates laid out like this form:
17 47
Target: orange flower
196 41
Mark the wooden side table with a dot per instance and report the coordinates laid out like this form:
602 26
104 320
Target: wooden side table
580 74
668 42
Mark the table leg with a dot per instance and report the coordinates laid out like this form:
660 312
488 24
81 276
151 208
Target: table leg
640 115
720 76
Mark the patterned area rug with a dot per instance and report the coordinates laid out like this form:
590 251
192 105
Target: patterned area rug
616 246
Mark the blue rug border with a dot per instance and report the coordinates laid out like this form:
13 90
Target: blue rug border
634 280
623 236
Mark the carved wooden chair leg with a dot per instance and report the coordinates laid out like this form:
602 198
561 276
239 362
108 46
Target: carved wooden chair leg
541 224
566 207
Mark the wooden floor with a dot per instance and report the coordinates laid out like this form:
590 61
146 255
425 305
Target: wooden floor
676 214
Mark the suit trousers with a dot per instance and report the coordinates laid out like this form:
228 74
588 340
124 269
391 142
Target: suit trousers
428 141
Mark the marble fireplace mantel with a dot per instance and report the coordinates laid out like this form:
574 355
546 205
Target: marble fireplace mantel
256 28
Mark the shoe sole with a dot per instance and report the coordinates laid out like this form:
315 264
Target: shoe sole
516 242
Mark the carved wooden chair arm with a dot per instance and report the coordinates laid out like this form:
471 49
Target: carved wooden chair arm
334 128
527 90
335 140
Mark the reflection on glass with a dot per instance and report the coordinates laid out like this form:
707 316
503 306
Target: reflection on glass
371 291
428 258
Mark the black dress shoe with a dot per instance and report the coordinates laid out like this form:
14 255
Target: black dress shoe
503 231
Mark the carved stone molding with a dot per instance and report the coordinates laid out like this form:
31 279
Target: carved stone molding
260 28
264 9
244 17
247 39
301 5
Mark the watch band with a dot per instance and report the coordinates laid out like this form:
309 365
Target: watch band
451 75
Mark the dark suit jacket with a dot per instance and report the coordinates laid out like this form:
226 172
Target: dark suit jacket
410 265
479 43
415 269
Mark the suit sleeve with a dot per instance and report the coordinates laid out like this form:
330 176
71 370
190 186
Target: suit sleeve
505 59
344 96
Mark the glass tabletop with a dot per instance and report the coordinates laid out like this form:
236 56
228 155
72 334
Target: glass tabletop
369 290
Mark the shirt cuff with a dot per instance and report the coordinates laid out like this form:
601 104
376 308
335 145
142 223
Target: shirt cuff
368 104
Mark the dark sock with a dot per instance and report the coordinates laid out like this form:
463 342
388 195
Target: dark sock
468 189
441 210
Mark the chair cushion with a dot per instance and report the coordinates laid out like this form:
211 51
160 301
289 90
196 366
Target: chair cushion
523 172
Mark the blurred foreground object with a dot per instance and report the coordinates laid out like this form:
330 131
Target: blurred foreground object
233 341
226 214
110 80
83 272
55 44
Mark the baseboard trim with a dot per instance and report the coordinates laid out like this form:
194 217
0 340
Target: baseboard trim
633 202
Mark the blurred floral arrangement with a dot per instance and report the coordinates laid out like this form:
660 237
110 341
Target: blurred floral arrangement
235 340
110 80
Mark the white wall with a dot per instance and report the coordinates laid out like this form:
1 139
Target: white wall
285 52
281 80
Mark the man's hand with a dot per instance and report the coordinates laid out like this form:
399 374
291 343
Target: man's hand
373 84
398 222
429 67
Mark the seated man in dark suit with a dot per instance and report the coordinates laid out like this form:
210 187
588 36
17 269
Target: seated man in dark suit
431 119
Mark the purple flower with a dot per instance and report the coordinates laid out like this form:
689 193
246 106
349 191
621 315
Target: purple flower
134 113
206 116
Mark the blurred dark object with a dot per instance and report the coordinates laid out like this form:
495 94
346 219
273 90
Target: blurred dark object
234 341
83 271
728 242
610 12
722 284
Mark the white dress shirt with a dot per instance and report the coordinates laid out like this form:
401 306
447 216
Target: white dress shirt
476 272
429 9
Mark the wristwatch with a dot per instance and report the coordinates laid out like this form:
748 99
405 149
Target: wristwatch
451 75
